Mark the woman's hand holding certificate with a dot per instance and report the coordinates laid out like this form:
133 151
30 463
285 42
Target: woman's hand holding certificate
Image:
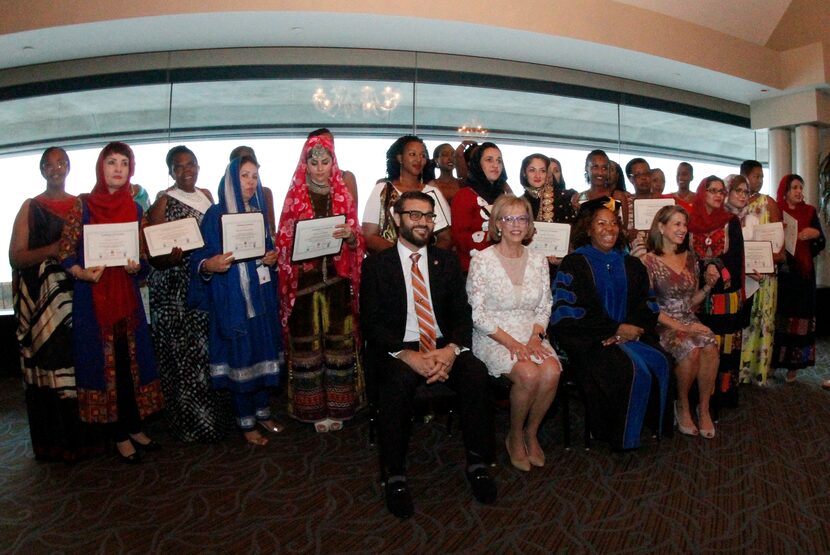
316 237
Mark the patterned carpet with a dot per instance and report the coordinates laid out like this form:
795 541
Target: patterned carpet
761 486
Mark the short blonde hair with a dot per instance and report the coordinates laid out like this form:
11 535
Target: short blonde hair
501 205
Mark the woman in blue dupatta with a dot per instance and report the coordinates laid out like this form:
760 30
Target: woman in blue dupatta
604 319
241 299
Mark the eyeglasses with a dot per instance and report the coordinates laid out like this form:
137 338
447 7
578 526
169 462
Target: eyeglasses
521 220
716 191
743 192
416 215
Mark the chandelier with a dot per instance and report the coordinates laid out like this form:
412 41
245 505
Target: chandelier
346 101
473 130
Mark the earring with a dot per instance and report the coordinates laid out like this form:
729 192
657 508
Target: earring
498 232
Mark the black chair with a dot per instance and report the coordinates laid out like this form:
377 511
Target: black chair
569 387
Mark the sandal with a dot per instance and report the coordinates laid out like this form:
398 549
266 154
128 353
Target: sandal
273 427
255 438
335 425
322 426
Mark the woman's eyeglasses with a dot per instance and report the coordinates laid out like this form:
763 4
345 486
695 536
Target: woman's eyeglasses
522 220
716 191
416 215
742 192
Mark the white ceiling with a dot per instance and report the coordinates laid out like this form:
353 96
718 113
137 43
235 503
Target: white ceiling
750 20
239 29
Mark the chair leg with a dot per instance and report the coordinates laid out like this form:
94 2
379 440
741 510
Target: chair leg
372 425
450 414
587 427
566 415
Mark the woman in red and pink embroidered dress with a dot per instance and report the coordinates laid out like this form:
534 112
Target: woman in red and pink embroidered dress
319 297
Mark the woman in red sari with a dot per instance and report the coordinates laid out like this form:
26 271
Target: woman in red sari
795 328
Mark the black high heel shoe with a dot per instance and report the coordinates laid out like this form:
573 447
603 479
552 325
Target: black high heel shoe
132 458
151 447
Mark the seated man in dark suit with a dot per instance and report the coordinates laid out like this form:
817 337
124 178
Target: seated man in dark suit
418 327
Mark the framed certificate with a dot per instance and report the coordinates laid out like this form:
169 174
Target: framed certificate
442 222
758 257
645 210
313 238
162 238
790 233
551 239
244 235
774 233
110 244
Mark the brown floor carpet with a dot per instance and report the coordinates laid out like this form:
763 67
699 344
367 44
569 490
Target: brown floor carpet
762 486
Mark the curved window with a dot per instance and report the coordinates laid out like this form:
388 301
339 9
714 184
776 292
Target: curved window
273 107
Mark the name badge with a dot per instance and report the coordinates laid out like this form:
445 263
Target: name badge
264 274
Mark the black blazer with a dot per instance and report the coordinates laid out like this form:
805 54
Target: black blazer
383 299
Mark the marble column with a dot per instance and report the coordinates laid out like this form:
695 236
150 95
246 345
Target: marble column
780 157
806 160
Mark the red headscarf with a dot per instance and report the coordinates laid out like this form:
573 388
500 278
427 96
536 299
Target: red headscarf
298 207
701 221
114 296
803 213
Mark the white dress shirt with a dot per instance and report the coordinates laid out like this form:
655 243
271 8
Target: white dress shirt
413 331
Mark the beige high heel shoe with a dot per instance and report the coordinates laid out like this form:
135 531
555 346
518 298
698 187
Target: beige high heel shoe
707 433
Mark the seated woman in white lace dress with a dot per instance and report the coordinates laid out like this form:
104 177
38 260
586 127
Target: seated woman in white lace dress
508 289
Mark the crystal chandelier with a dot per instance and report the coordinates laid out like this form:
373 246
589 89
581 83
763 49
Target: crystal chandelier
345 101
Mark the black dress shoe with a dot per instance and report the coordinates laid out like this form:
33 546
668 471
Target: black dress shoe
398 500
483 485
151 447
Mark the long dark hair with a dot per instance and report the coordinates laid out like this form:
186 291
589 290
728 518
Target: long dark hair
558 185
479 182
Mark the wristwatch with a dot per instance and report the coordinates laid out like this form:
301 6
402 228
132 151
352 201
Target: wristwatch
455 348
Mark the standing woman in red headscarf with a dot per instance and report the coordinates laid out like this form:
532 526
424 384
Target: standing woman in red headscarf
319 297
716 238
795 329
115 370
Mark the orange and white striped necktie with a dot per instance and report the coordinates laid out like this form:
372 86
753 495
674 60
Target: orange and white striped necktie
423 309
